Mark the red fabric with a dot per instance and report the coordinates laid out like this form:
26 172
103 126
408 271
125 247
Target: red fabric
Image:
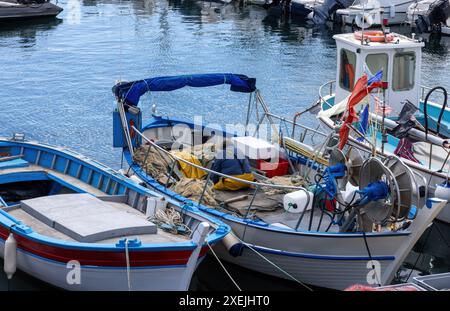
359 92
405 150
359 288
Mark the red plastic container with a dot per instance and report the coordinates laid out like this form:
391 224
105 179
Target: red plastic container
272 169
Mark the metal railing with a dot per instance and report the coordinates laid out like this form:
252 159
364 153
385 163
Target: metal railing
330 85
425 89
270 117
257 185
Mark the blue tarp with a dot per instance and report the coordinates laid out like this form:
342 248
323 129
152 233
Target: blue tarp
132 91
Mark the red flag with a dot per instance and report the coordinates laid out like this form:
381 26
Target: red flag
359 92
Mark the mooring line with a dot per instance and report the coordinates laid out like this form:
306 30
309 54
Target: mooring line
275 265
223 267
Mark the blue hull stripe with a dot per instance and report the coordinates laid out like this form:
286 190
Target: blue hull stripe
320 257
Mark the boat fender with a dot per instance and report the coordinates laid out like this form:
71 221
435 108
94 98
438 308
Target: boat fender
233 245
443 191
10 256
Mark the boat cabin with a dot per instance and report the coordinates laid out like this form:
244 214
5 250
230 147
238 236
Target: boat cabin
399 58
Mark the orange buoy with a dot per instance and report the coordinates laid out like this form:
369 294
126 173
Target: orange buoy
374 36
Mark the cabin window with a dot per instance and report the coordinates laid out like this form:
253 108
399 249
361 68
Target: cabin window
347 70
377 62
404 71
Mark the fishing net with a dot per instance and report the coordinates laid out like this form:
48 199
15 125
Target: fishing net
193 189
153 162
158 165
287 180
205 153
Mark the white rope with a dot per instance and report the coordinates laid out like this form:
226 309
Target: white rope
223 267
127 256
273 264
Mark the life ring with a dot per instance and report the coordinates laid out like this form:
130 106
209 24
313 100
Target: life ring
374 36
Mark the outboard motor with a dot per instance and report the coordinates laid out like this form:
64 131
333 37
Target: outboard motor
437 14
323 12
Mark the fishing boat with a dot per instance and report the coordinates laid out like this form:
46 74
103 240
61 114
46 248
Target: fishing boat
21 9
403 118
76 224
337 220
431 16
375 12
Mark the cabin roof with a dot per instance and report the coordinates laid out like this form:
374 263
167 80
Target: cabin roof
400 41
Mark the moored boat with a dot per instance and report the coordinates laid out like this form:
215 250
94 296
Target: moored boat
431 16
22 9
375 12
304 231
79 225
402 118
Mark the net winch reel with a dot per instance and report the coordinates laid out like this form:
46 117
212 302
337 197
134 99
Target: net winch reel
387 192
346 167
341 170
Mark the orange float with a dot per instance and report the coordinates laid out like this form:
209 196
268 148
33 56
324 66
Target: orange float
374 36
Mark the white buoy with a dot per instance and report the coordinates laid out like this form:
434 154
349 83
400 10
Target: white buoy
10 256
443 191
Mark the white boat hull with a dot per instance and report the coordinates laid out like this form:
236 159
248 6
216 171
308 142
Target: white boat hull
333 261
93 278
395 13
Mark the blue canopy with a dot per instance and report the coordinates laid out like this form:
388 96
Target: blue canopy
130 92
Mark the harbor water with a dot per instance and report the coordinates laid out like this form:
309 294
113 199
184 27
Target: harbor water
57 74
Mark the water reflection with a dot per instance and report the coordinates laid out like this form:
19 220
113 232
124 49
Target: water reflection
26 33
437 44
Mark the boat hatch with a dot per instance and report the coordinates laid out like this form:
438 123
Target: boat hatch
86 218
399 59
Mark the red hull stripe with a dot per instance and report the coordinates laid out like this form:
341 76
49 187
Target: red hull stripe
102 258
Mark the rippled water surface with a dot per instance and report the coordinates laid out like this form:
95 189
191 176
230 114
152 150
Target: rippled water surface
57 74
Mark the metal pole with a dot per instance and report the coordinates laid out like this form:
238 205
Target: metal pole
248 113
204 188
170 173
251 202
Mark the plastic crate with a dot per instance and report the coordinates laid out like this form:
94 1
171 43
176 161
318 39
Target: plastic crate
272 169
434 282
